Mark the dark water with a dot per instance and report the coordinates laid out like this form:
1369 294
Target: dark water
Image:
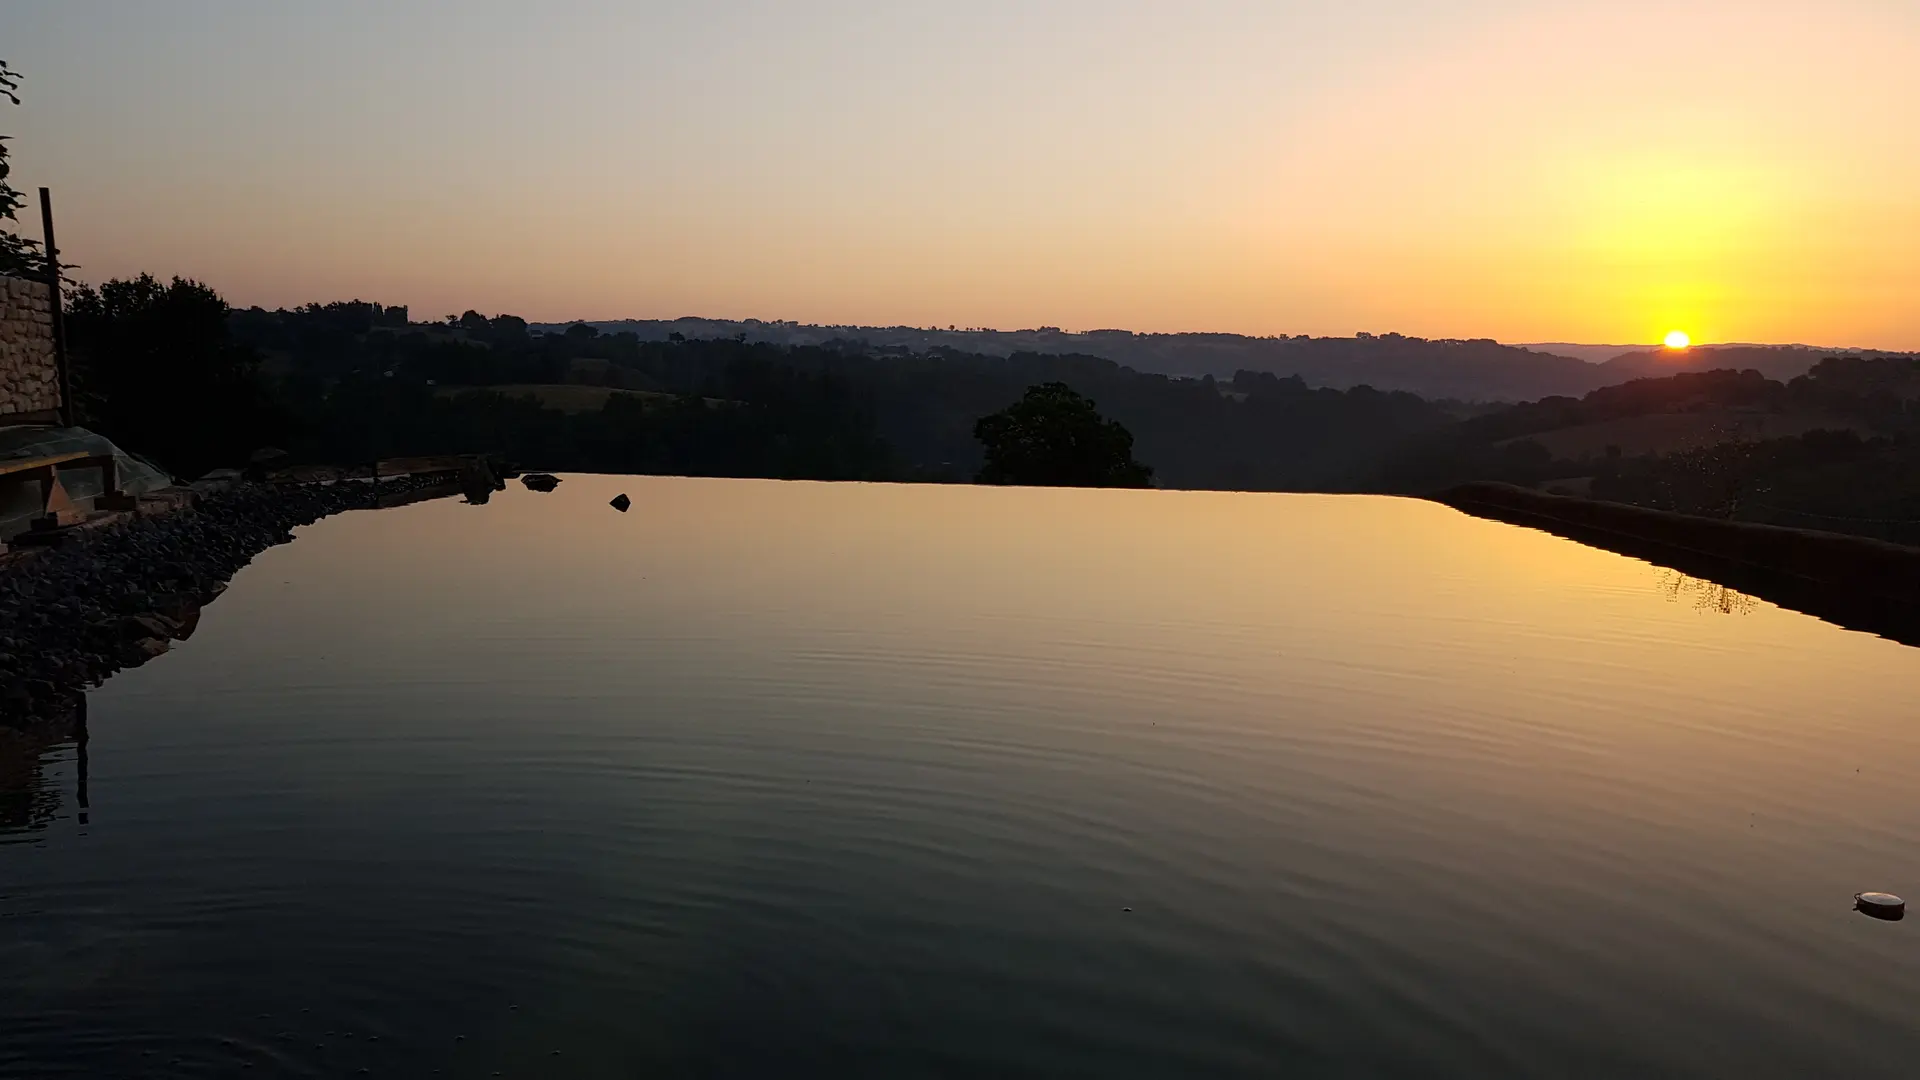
789 779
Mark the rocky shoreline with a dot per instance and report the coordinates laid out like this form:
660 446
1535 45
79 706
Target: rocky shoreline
118 593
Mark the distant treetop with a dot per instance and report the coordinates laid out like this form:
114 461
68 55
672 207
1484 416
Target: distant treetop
1053 437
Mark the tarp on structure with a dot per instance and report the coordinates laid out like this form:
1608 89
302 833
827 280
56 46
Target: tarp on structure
134 475
137 475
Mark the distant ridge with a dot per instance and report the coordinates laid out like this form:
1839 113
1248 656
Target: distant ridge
1600 354
1479 369
1777 362
1592 354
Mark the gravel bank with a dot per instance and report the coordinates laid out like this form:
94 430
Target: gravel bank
116 596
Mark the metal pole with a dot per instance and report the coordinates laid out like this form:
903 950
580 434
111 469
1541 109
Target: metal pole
59 317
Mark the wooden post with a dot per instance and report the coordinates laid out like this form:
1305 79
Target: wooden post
59 317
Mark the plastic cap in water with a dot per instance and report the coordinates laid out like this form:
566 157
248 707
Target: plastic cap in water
1880 905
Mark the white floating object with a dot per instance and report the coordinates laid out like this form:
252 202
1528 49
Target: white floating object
1880 905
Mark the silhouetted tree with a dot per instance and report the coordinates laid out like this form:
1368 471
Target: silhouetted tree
1053 437
156 371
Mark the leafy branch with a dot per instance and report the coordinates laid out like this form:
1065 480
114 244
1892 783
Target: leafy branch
19 256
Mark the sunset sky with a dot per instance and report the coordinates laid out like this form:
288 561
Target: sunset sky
1589 170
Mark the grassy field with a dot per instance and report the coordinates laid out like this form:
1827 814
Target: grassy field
561 397
1664 433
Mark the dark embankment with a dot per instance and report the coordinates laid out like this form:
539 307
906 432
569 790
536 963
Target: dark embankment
116 595
1851 581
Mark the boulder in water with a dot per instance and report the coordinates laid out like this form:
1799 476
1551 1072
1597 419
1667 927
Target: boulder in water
539 481
477 480
621 502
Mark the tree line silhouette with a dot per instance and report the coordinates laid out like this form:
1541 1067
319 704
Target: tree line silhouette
354 381
170 370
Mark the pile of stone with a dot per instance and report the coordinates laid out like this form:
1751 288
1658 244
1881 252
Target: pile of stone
115 595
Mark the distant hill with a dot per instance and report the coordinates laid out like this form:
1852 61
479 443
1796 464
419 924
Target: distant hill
1620 363
1463 370
1834 448
1778 362
1727 431
1469 370
1592 354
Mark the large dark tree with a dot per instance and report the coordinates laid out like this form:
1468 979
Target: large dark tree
156 371
1053 437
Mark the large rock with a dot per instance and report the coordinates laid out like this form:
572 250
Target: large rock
477 480
152 647
142 626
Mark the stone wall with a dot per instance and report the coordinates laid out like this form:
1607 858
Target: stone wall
29 376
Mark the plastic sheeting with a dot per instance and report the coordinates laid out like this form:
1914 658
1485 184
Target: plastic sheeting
135 475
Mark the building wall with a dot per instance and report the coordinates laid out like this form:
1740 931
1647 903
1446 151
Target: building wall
29 376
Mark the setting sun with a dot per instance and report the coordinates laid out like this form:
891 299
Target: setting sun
1679 340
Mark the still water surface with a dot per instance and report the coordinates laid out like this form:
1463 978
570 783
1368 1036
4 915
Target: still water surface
794 779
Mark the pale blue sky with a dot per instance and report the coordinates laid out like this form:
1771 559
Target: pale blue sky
1293 167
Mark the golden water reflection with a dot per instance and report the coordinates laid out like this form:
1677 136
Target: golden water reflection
910 747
